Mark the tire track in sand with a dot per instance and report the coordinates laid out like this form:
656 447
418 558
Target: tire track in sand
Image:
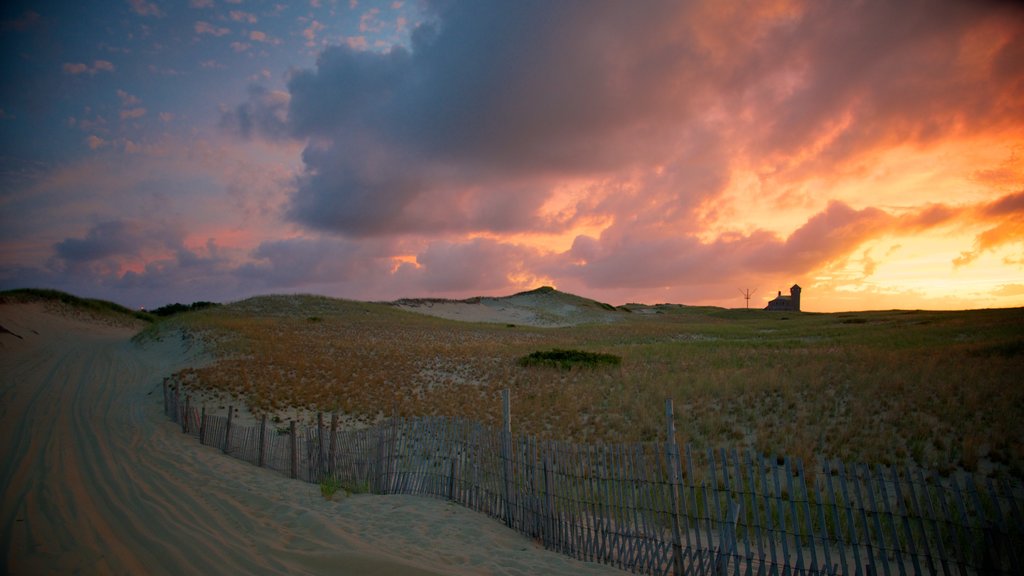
96 480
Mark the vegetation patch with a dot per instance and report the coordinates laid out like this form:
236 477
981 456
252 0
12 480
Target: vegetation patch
89 305
329 487
932 389
179 308
567 359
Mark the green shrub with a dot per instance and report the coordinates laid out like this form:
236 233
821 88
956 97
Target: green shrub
329 487
566 359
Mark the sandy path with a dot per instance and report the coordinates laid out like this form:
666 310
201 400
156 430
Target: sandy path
96 481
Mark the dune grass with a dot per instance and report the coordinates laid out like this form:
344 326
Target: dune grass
93 306
939 389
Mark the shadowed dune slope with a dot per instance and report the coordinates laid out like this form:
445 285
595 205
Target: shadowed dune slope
96 481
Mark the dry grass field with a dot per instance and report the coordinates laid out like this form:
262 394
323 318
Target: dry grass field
939 389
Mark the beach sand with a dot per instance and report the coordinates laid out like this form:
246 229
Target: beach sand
96 480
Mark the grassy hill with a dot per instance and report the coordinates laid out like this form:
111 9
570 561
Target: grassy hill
99 309
935 388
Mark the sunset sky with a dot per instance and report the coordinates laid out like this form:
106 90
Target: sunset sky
870 151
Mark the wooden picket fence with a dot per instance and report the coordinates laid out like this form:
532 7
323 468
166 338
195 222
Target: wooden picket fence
651 508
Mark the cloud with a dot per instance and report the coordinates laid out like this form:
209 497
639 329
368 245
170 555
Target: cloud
203 27
76 68
131 113
611 150
112 239
28 19
310 32
127 99
241 16
260 36
144 263
860 77
303 261
835 232
1007 215
635 255
462 112
1009 205
492 91
143 8
479 264
264 114
1009 290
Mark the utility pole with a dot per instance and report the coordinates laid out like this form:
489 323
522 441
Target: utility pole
747 294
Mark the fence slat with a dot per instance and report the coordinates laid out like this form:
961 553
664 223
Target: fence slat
901 509
884 496
641 508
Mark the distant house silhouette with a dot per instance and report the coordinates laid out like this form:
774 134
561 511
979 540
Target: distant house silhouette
791 302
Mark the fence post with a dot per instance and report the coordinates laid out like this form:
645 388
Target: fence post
165 396
381 471
331 462
451 478
672 461
321 467
506 453
294 440
184 421
549 504
227 430
202 424
263 441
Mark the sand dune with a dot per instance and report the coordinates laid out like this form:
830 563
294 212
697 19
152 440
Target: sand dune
544 307
96 481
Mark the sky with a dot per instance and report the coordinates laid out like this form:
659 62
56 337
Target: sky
688 151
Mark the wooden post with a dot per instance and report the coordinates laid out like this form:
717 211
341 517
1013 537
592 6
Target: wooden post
549 504
227 430
321 451
672 461
295 450
202 424
263 441
164 383
451 477
506 453
332 458
381 468
184 421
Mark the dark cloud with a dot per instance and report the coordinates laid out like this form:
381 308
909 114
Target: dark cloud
306 261
1005 226
1009 205
641 258
118 239
430 167
264 114
877 73
102 241
493 104
828 235
138 264
490 92
479 264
